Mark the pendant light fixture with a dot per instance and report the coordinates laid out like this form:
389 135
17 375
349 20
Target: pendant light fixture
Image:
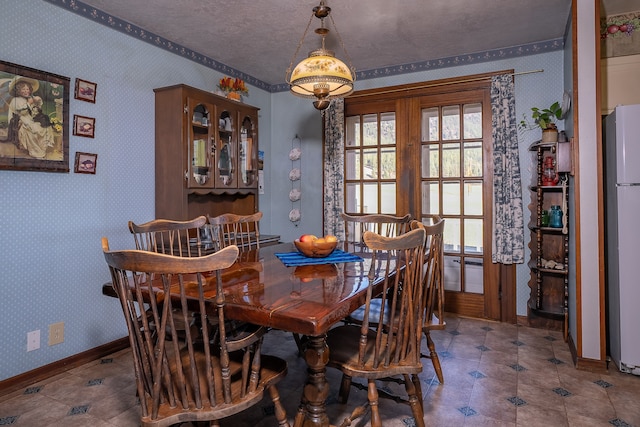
321 76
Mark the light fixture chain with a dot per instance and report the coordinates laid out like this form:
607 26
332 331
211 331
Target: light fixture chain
353 70
295 55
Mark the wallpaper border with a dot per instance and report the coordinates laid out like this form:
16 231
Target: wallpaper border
132 30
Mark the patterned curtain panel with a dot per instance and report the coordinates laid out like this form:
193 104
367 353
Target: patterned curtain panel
334 168
508 227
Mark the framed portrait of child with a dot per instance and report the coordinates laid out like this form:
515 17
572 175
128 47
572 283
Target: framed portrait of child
34 119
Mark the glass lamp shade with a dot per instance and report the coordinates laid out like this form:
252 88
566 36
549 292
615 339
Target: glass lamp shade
320 76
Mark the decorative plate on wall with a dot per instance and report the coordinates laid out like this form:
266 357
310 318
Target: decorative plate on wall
294 154
294 215
294 194
294 175
566 104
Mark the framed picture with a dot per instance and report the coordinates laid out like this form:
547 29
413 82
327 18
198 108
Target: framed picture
34 119
85 163
85 91
83 126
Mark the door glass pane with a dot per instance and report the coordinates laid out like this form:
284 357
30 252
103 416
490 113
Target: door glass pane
451 160
352 197
451 198
473 159
473 272
430 159
473 197
473 236
451 122
388 194
472 121
451 236
452 280
352 131
370 159
352 164
430 124
370 198
388 128
370 129
430 198
388 162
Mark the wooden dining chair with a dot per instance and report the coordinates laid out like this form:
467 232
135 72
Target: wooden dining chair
433 277
179 238
240 230
176 380
385 347
355 227
385 225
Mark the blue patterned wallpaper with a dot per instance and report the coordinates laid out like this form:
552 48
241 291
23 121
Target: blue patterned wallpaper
51 224
52 267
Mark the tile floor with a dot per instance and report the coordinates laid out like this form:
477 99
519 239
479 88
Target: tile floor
495 375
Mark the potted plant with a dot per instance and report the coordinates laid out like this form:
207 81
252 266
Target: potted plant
545 119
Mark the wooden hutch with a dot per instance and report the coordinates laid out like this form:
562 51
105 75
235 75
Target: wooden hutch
206 154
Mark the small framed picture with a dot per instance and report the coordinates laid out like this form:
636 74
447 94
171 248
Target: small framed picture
85 91
84 126
85 163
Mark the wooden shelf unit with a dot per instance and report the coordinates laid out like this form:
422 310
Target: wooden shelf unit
549 297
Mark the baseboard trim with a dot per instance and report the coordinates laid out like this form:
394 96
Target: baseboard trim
583 364
591 365
523 320
42 373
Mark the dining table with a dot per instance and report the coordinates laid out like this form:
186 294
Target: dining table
276 287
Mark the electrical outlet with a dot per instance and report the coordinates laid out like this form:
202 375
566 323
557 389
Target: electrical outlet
33 340
56 333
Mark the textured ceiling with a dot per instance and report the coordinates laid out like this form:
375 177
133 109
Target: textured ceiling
260 37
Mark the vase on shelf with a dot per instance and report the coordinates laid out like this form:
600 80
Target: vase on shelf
235 96
550 135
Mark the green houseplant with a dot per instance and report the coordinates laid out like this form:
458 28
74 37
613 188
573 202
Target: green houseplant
545 119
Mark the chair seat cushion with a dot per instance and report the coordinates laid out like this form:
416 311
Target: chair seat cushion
375 307
374 314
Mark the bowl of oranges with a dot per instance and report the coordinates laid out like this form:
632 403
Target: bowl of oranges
316 247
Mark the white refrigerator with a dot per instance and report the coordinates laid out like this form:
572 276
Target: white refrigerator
622 145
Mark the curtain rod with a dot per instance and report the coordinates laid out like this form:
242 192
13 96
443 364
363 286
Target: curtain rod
428 85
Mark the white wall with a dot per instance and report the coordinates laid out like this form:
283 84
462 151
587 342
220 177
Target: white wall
590 301
620 82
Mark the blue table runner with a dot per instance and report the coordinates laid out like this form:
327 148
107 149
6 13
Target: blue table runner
293 259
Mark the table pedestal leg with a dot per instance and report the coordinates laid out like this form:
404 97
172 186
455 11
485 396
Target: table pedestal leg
312 410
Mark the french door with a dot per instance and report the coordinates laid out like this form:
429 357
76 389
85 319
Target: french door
455 184
440 143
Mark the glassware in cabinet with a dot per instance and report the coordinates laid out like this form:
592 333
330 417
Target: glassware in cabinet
247 154
226 150
201 150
